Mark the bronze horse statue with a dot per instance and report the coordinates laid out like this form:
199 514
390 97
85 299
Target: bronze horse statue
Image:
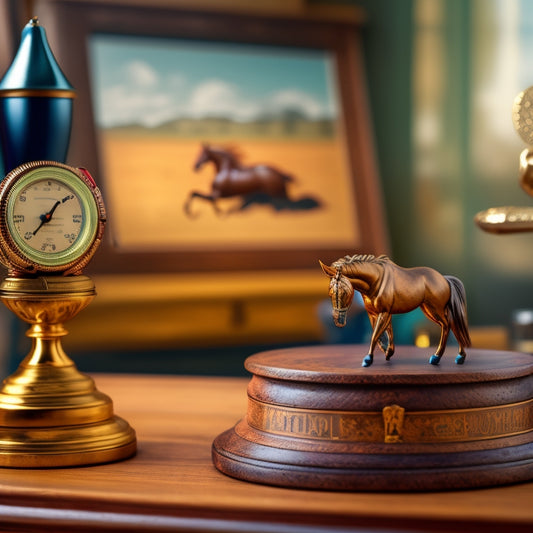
232 178
388 289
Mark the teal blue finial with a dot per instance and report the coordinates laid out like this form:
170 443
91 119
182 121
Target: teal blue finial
34 66
36 103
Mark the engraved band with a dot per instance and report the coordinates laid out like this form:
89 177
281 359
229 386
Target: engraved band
39 93
457 425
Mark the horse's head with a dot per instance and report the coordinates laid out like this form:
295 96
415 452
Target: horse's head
341 293
203 157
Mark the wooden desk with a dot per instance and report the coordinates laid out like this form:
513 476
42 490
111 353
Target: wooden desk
171 484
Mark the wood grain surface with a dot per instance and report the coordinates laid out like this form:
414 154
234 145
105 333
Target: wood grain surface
172 485
342 364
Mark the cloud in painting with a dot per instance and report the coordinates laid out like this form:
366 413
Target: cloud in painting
219 98
141 74
295 99
123 105
144 96
139 98
213 97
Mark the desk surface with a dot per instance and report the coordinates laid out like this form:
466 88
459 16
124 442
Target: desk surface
171 483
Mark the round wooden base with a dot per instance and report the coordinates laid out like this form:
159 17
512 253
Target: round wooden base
316 419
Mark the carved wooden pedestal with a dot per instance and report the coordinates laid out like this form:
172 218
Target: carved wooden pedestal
317 419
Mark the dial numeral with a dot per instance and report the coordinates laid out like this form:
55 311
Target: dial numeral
47 246
71 237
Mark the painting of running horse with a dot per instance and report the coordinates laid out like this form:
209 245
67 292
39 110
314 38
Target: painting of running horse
257 184
388 289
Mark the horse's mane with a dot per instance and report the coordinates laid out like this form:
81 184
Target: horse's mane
347 265
230 151
348 260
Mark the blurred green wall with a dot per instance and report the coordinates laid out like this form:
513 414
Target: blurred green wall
435 183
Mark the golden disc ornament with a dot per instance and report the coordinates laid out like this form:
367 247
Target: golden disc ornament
522 115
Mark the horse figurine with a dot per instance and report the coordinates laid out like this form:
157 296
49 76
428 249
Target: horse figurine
388 289
234 179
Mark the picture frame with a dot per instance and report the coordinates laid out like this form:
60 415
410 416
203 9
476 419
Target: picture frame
71 27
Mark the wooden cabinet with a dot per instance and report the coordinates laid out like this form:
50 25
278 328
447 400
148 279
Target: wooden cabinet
161 311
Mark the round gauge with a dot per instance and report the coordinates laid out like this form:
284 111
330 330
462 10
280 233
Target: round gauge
51 218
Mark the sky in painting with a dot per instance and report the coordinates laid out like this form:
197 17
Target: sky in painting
149 81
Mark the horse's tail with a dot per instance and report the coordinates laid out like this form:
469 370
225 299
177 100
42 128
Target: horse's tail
457 307
287 178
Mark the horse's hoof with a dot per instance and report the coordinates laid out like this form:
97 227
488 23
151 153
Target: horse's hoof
388 356
368 360
460 359
189 213
435 359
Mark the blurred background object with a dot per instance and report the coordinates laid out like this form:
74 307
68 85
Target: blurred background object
35 103
522 330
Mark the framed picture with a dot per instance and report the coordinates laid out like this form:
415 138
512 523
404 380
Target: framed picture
221 141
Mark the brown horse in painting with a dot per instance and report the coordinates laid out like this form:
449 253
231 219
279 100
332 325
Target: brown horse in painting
234 179
388 289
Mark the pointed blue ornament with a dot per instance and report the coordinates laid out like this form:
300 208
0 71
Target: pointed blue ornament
36 103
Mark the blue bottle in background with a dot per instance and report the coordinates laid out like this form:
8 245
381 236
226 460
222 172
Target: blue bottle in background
36 102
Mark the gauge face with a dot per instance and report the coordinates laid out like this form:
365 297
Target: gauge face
50 216
47 216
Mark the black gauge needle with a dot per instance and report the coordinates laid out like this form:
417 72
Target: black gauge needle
47 217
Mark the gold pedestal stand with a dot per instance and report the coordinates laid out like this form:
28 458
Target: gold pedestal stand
51 415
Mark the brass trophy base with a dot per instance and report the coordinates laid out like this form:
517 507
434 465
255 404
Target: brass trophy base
51 415
317 420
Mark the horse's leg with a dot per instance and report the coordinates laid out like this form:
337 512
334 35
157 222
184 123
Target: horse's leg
187 205
384 347
444 332
196 194
461 356
444 322
381 324
390 348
